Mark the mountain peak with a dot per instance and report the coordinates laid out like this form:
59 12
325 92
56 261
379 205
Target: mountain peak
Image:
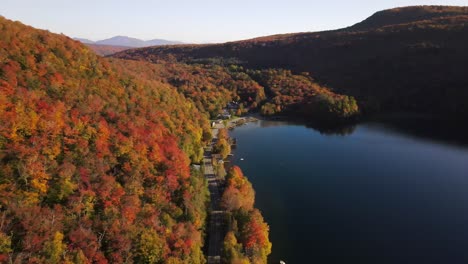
402 15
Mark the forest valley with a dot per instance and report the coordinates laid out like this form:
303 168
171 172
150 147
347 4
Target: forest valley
96 153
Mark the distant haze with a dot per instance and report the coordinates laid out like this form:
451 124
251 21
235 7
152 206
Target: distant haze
85 41
196 21
124 41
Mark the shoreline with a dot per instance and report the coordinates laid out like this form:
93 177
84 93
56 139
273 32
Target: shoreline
240 121
217 224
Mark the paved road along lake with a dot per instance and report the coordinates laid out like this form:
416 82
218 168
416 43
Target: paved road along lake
371 194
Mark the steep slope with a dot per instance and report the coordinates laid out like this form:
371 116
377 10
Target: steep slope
94 161
405 59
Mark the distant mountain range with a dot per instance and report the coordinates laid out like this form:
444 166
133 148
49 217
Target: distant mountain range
84 41
124 41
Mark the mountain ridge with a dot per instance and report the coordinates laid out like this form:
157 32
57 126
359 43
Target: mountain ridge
125 41
402 15
401 59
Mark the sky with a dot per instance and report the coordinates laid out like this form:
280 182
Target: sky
196 21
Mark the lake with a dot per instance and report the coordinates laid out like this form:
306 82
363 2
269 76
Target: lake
373 193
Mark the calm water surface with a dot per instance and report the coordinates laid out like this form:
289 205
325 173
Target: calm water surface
376 195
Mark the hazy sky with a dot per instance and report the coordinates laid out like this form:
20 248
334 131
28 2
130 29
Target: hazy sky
195 20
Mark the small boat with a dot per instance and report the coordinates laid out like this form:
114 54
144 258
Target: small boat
282 262
241 158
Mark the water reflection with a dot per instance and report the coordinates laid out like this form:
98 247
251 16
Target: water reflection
338 130
329 130
389 192
443 131
432 129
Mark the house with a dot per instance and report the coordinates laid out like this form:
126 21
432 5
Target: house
218 121
233 105
225 114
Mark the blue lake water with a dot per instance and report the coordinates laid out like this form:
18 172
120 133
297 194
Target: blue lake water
374 195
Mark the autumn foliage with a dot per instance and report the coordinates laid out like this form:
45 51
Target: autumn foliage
209 87
222 145
247 238
302 95
94 159
272 91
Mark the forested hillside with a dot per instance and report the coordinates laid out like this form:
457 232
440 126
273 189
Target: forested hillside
94 161
211 86
403 59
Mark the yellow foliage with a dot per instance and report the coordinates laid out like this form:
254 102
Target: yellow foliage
5 243
54 249
53 151
39 182
29 198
